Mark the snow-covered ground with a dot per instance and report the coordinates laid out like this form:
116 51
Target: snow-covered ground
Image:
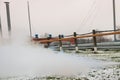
23 60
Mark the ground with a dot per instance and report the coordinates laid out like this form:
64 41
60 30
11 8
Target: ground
108 72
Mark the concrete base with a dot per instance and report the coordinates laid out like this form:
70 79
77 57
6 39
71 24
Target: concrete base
76 49
95 49
61 48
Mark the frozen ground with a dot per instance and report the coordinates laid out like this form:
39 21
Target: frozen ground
22 60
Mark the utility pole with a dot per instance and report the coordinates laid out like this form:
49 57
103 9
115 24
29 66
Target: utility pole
114 19
29 19
8 17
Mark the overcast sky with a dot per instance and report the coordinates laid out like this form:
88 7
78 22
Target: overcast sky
60 16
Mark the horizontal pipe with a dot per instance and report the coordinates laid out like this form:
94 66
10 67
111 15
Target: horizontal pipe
83 36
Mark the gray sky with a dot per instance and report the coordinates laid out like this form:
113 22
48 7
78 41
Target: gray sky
60 16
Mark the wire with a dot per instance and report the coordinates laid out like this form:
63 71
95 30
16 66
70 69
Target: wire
88 15
96 9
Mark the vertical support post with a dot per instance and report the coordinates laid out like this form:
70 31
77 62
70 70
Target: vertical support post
8 17
60 42
29 20
114 19
94 41
49 37
0 27
75 39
